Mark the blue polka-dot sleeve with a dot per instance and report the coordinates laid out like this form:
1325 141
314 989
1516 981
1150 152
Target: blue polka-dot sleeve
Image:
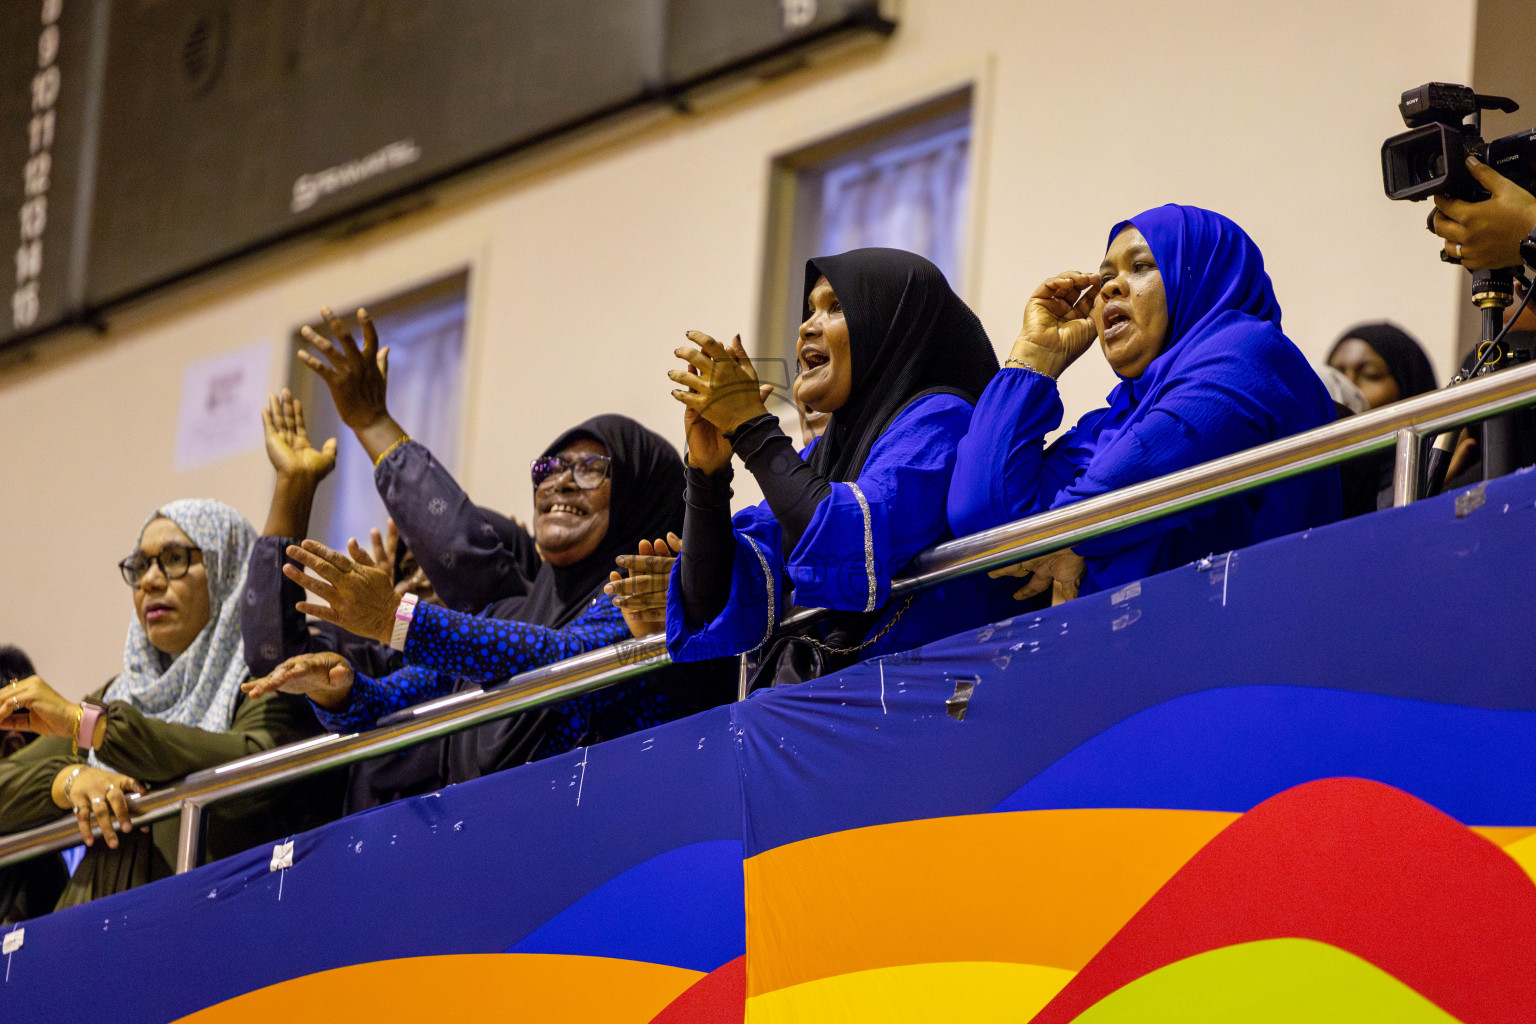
371 699
486 650
445 646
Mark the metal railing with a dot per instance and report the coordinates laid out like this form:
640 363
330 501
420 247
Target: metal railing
1403 426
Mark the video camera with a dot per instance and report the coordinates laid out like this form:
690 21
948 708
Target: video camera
1445 123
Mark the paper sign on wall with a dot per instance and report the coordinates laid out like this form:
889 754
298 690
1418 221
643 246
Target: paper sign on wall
221 403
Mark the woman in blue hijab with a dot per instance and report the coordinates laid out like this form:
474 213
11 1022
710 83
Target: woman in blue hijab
1187 318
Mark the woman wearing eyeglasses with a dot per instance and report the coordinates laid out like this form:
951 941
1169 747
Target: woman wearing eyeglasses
175 708
598 490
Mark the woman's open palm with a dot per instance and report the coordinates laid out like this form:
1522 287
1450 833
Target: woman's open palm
288 444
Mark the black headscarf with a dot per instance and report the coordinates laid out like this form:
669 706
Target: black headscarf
1404 357
645 501
910 335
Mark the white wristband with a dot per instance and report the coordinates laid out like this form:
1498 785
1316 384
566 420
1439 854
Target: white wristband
404 613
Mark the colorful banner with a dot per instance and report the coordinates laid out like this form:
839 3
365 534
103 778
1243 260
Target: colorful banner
1296 782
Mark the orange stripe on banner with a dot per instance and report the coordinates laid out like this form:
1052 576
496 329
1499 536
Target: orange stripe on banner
1026 887
1501 835
526 987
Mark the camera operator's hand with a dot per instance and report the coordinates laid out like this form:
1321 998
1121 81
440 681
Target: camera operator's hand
1486 235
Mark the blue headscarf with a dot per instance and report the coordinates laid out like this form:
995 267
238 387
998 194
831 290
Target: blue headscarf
1217 290
1226 378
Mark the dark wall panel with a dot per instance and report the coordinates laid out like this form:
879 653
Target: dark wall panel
187 132
44 53
705 37
230 124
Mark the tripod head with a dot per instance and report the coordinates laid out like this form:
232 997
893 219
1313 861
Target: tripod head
1492 292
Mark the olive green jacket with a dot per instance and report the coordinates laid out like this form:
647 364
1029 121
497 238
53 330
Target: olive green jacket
158 753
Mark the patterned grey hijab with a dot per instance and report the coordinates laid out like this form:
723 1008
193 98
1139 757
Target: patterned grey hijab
201 686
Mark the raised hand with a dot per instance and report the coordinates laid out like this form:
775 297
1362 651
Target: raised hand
722 383
288 445
707 449
1057 328
1062 571
358 379
385 545
360 596
642 596
324 677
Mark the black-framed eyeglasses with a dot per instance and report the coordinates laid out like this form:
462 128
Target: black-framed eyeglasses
174 560
586 470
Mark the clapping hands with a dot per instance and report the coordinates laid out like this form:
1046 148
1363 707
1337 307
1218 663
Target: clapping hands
723 392
642 596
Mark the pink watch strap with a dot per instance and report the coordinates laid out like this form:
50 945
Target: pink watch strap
90 714
404 612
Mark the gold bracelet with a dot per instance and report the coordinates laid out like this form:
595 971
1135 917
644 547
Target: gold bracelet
74 736
385 453
1020 364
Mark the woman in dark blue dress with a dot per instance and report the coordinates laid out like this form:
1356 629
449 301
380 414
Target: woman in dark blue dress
897 359
599 488
1187 318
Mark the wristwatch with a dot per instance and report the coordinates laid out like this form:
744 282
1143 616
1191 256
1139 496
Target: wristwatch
90 714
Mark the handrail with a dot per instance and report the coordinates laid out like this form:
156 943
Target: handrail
1403 424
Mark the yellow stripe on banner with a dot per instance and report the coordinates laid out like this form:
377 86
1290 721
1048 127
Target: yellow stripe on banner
1524 854
531 988
1275 981
977 993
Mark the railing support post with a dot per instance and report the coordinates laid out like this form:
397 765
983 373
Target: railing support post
1405 474
189 837
743 675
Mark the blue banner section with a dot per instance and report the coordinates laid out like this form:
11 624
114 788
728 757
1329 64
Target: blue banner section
1395 648
475 868
1423 604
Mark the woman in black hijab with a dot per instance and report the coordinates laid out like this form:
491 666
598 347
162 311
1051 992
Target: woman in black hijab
1384 362
897 360
1387 365
599 489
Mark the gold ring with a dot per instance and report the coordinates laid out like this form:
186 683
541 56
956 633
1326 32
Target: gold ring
95 800
1458 250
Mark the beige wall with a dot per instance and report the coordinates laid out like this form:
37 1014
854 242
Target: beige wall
587 267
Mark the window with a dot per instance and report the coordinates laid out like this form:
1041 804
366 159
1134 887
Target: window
901 182
424 329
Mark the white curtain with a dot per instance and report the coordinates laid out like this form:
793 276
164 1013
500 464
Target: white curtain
912 196
426 353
